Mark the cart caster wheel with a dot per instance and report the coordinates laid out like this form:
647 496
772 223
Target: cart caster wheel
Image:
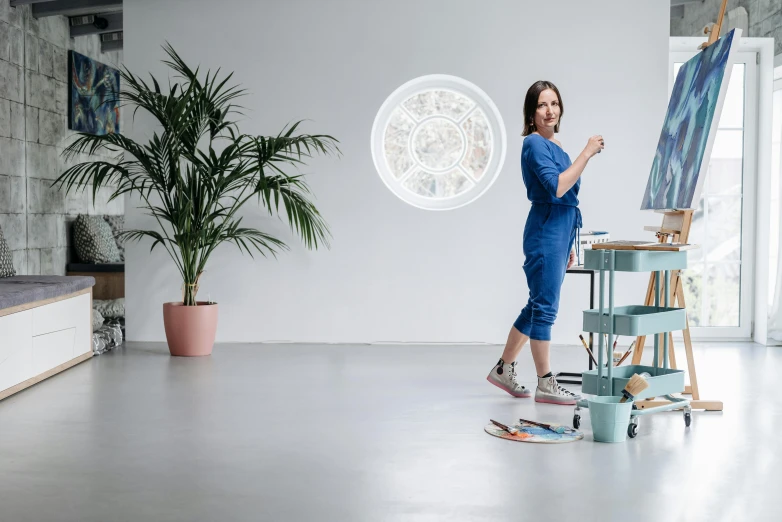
687 419
576 421
632 430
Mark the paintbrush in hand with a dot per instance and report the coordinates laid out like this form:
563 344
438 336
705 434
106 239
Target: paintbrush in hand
635 385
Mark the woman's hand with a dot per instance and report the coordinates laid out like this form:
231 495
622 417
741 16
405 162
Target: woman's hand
572 259
594 146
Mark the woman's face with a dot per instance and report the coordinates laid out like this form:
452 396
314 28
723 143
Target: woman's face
547 114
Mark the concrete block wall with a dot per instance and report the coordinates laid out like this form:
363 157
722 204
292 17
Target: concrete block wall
33 133
765 18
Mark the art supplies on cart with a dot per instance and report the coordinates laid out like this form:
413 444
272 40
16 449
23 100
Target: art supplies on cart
618 357
588 238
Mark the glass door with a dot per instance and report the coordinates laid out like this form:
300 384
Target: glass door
718 283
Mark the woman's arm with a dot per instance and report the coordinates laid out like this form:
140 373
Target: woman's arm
568 178
558 183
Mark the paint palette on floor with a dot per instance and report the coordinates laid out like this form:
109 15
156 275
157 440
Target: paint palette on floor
530 433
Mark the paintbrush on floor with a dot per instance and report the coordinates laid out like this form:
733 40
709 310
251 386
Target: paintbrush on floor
512 431
634 386
558 429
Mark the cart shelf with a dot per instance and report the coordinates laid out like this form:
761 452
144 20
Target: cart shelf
635 320
663 381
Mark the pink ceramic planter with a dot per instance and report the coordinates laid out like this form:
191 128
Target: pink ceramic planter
190 330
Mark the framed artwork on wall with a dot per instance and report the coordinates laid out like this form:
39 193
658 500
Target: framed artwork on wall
93 102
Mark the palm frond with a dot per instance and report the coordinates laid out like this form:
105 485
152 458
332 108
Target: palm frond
198 170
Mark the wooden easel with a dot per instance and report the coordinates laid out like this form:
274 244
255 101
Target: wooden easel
676 227
714 33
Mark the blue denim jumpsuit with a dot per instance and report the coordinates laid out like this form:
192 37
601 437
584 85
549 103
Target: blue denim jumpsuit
552 227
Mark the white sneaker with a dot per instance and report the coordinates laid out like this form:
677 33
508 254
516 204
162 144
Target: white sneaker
550 391
503 376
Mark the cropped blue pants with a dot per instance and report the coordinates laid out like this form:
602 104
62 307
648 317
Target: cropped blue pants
548 236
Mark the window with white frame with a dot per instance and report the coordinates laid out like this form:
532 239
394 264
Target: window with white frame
715 284
438 142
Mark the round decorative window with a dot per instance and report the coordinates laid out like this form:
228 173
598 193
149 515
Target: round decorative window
438 142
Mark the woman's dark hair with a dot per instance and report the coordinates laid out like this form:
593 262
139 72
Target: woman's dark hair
531 105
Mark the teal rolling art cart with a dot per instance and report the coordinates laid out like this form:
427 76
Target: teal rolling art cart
632 321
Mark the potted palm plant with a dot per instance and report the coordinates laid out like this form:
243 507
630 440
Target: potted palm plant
193 176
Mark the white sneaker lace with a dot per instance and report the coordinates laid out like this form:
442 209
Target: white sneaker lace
513 377
562 391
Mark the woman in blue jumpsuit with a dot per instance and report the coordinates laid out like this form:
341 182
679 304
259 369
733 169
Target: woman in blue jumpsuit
553 222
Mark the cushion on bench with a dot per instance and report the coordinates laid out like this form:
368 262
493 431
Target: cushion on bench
19 290
6 259
93 240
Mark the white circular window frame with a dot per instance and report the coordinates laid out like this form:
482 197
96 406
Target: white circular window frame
447 83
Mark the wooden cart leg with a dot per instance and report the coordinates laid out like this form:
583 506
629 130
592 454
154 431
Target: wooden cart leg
678 300
688 345
682 236
671 351
638 351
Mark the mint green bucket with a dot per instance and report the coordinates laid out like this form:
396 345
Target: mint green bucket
610 418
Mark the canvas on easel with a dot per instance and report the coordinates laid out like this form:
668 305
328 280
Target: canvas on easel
683 151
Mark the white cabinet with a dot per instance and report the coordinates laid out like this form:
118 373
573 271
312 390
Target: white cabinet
67 313
44 340
16 348
53 349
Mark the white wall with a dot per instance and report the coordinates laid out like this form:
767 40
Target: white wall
394 272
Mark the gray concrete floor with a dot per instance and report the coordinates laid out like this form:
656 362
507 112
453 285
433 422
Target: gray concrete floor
371 433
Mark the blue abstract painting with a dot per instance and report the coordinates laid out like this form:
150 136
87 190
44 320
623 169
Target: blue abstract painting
693 113
93 104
